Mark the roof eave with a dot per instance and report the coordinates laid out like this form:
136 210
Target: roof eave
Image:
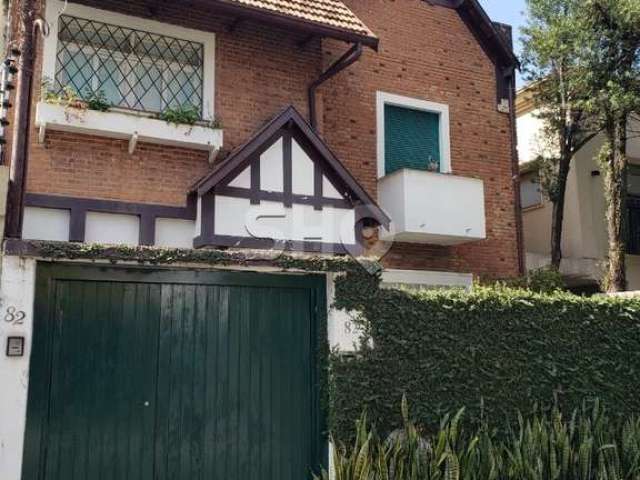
483 28
300 24
503 52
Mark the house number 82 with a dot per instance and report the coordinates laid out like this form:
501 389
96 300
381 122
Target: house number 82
14 316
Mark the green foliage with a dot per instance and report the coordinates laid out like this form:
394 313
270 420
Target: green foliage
541 280
551 41
186 115
97 101
589 445
170 256
68 97
609 67
181 115
495 351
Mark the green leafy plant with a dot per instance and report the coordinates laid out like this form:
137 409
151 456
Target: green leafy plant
187 115
358 462
181 115
588 445
68 97
541 280
97 101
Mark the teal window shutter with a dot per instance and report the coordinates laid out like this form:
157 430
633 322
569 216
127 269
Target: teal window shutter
411 139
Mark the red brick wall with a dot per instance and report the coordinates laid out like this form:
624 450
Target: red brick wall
259 71
427 52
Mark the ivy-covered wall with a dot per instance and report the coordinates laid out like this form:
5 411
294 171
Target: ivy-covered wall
493 351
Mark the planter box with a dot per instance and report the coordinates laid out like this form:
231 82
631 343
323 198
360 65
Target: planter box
126 126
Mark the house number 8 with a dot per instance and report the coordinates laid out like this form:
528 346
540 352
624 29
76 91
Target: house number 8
14 316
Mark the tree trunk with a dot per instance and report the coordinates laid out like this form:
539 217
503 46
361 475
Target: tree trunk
557 216
616 190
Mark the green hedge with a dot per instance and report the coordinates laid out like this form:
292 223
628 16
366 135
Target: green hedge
495 351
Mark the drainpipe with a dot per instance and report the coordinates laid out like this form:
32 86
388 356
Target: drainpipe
22 120
516 174
349 58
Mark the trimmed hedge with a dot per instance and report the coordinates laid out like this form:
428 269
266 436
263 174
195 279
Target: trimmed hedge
495 351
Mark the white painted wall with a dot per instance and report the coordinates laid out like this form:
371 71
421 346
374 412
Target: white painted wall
174 233
17 290
271 168
427 207
112 229
237 217
243 180
633 273
531 140
633 144
392 278
328 190
302 169
46 224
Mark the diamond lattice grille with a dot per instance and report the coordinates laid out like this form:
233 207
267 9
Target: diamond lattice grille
134 69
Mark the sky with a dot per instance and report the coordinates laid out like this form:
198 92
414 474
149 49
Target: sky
507 11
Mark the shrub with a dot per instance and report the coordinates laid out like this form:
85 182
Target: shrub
588 445
495 351
542 280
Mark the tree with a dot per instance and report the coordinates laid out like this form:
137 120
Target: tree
551 41
610 75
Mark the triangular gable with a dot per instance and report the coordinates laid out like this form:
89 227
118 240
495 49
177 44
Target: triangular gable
288 135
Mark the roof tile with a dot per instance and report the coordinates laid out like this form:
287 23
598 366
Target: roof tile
329 13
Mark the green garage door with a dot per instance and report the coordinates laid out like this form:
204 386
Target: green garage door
173 375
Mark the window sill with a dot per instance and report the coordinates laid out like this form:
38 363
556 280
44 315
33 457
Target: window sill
428 172
126 126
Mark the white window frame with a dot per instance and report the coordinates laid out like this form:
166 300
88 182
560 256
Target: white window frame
55 8
442 110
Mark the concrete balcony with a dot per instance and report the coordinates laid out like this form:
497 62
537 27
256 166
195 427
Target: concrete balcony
433 208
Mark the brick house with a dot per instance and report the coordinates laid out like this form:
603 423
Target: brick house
322 127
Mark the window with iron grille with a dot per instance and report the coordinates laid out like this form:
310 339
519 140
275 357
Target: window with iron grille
134 69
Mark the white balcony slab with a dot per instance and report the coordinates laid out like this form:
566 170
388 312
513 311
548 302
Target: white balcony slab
126 126
433 208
